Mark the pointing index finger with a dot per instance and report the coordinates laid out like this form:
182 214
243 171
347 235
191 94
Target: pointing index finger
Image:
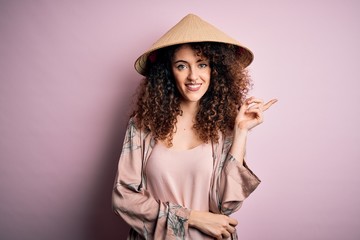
269 104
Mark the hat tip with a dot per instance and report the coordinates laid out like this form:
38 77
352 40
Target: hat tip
191 15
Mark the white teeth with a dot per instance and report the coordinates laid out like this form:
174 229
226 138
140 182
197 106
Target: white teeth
193 85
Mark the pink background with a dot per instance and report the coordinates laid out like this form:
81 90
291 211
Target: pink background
67 80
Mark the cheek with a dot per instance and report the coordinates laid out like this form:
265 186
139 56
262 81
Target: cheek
178 81
179 78
207 77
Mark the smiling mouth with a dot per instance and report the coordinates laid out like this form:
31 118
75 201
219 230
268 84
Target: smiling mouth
193 87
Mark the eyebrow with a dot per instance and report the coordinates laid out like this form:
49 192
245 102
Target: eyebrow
183 61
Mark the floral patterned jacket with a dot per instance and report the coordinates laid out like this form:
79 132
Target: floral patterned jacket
151 219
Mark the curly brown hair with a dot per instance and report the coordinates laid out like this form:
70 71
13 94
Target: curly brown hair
158 103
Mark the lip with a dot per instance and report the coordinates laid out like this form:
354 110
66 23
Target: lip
193 87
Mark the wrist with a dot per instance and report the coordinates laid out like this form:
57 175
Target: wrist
241 131
192 217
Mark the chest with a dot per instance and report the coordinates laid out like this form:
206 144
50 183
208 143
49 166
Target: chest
185 138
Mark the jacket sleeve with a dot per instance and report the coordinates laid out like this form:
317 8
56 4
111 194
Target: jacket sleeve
235 181
149 217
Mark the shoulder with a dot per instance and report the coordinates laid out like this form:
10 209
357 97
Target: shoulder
135 126
135 130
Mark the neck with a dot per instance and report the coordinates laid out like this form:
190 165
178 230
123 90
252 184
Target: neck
189 109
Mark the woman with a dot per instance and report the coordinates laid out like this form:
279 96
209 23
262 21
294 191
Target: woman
181 172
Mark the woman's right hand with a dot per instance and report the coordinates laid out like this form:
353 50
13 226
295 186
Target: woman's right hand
215 225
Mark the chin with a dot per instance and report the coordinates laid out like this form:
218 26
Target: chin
192 99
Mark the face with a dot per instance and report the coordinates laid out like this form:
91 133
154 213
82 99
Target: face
191 72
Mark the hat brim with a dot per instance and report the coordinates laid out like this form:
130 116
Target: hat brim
192 29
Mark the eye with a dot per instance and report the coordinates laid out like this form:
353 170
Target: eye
203 65
181 67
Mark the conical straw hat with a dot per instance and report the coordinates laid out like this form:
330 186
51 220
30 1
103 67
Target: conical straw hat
192 29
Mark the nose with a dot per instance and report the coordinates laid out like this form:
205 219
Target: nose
193 74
